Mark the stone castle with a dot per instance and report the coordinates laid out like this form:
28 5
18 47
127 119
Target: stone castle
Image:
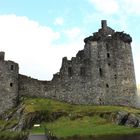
100 74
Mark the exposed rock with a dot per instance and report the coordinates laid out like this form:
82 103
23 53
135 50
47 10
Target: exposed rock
127 119
133 121
121 117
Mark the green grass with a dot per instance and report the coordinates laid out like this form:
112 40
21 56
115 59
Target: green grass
39 104
86 126
8 135
79 120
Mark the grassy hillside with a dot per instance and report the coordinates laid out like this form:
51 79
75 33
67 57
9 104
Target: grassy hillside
66 120
41 104
81 120
86 126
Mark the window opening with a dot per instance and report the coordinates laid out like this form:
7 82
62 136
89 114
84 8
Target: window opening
107 85
108 55
109 64
11 84
100 71
100 101
107 47
115 76
82 71
12 67
70 72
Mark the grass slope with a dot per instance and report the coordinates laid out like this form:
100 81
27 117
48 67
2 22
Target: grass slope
81 120
87 126
41 104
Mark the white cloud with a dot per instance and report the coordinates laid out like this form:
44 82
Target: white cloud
73 32
118 7
106 6
31 45
131 6
59 21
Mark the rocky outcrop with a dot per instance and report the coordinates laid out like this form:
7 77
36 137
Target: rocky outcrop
127 119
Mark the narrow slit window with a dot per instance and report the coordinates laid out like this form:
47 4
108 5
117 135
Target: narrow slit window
107 85
11 84
12 67
100 101
82 71
70 72
101 72
108 55
107 47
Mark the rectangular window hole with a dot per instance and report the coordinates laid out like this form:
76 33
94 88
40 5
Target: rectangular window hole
70 72
12 67
108 55
82 71
115 76
107 47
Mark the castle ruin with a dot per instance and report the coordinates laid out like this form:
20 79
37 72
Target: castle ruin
100 74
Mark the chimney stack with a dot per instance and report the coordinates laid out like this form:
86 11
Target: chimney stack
104 24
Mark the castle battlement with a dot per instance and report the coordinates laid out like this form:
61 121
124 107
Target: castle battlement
100 74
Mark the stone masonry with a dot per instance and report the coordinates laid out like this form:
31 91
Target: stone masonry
8 83
100 74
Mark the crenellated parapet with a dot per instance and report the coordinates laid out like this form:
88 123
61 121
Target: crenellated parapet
122 36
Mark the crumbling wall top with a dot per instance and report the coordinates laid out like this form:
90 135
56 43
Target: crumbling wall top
104 24
2 55
108 33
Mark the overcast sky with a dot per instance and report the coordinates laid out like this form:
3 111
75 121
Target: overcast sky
38 33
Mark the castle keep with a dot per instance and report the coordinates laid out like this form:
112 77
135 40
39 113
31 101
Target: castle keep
101 74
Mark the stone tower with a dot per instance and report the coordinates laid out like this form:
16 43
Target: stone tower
8 83
112 69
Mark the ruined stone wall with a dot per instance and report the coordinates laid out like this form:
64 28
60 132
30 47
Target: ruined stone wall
32 87
8 84
101 74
